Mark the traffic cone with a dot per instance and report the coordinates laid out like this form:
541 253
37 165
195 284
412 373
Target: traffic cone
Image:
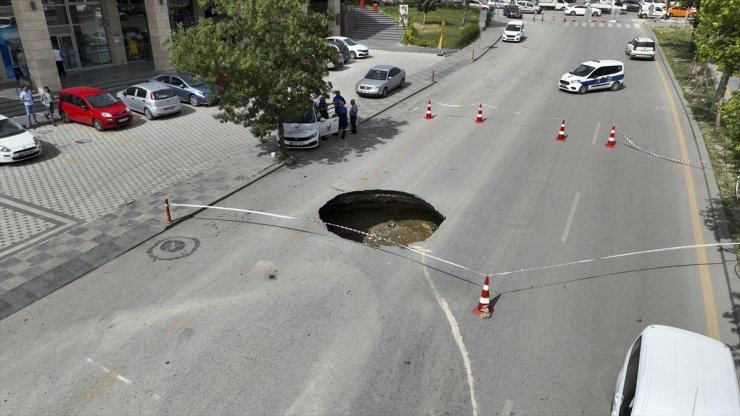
611 142
479 117
561 134
429 110
483 309
574 18
167 216
593 19
603 19
542 17
563 18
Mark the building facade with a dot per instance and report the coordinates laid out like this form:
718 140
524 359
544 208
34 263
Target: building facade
88 34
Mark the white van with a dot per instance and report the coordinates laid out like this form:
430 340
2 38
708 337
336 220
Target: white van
593 75
307 132
670 371
514 31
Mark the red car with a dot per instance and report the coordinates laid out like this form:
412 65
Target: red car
93 106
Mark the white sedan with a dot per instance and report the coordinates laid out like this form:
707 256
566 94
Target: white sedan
356 50
581 10
477 4
16 143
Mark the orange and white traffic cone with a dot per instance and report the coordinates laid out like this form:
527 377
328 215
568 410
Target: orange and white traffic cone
564 19
484 309
479 117
611 142
561 134
167 216
429 110
574 18
593 19
603 19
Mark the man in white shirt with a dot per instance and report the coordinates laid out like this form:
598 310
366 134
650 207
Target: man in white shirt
59 60
27 100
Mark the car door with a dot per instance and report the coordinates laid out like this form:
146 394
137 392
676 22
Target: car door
180 88
86 113
327 126
74 109
593 79
140 99
127 96
393 78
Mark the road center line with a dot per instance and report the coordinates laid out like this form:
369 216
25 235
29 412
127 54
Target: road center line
182 322
568 223
596 133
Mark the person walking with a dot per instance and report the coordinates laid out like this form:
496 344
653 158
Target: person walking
48 101
353 108
59 60
27 100
342 113
336 100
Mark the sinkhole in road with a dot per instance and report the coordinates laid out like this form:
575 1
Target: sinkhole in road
382 217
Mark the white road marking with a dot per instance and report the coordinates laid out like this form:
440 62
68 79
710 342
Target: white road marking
596 133
566 231
506 410
413 109
458 340
107 370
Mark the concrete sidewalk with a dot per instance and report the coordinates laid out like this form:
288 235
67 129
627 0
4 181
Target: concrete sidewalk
32 274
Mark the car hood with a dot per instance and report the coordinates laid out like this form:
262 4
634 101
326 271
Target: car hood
202 88
570 77
18 142
116 108
372 82
360 46
512 32
299 129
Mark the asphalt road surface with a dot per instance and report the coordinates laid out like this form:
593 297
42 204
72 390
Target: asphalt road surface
277 316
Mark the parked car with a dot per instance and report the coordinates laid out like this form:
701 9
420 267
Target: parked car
337 62
680 11
380 80
477 4
93 106
528 7
512 11
631 5
356 50
651 11
346 55
640 47
187 87
7 21
513 32
496 4
153 99
581 10
16 143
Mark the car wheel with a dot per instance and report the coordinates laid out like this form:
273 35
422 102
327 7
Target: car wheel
615 86
573 13
631 57
97 124
193 100
384 93
352 55
148 114
583 89
402 84
64 116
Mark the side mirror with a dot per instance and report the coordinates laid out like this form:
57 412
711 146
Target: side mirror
84 106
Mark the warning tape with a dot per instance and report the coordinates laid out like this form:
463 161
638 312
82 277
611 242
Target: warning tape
685 162
376 237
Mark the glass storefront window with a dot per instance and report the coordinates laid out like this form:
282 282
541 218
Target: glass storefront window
86 14
56 15
92 45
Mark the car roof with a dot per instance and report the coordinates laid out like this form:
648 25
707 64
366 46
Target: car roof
515 22
603 62
383 67
681 370
639 39
175 73
151 85
82 91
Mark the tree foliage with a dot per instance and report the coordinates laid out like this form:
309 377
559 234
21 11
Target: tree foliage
426 6
269 56
718 37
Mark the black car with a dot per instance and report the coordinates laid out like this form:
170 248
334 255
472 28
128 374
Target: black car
512 11
631 5
342 48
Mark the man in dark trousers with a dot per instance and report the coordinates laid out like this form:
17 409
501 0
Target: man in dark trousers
353 108
342 113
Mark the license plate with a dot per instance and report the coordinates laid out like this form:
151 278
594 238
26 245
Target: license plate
172 107
26 152
122 120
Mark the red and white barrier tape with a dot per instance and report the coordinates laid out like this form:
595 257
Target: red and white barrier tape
685 162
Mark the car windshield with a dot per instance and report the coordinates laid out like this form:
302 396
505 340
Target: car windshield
309 117
378 74
582 70
163 94
100 100
512 28
190 80
350 42
9 128
645 44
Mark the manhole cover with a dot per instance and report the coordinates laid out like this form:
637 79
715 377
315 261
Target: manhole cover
173 248
83 141
392 217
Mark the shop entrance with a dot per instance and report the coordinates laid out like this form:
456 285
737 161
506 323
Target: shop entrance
69 52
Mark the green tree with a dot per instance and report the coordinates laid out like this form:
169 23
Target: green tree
269 56
426 6
718 37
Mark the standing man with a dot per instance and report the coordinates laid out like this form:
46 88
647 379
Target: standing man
336 100
27 100
342 112
59 60
353 108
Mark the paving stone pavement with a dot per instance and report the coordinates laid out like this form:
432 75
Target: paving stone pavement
49 238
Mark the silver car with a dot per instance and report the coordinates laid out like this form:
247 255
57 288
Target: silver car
380 80
154 99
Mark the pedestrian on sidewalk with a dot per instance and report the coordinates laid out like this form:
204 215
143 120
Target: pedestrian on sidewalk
48 101
353 108
342 113
27 100
336 100
59 60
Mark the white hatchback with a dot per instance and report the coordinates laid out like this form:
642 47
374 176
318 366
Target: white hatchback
641 47
16 143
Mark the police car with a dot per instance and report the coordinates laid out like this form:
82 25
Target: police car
593 75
